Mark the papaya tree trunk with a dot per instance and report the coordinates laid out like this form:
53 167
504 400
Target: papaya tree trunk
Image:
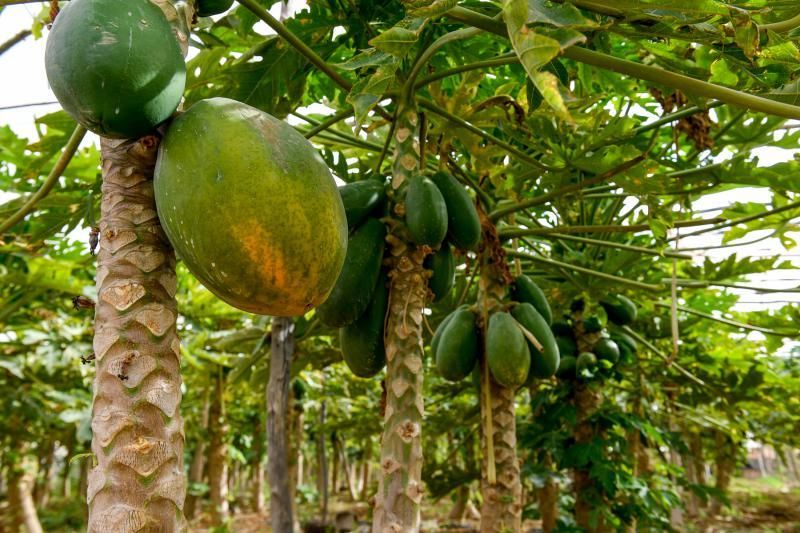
296 436
322 465
334 465
365 469
257 467
138 482
397 502
548 498
280 366
24 488
725 462
500 483
197 468
217 454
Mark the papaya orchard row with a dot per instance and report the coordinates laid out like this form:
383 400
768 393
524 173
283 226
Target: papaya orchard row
520 271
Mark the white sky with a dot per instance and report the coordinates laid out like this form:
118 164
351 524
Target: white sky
24 81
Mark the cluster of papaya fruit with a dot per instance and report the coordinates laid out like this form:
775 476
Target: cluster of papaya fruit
439 214
519 345
603 349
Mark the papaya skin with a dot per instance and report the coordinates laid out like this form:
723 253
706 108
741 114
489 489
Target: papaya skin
258 221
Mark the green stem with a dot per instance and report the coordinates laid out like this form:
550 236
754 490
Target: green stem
505 59
644 72
433 108
584 270
733 323
619 245
783 26
544 198
322 126
66 156
650 346
742 220
296 43
510 233
18 38
701 284
463 33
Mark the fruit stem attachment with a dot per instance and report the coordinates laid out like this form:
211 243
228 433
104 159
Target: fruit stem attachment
52 178
644 72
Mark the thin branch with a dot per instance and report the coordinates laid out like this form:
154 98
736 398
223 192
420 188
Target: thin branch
636 70
742 220
66 156
702 284
16 39
544 198
463 33
508 233
584 270
734 323
21 106
505 59
619 245
322 126
650 346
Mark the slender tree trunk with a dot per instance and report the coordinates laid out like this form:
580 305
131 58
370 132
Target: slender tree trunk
137 439
334 465
792 464
459 510
197 468
41 491
257 467
725 461
217 453
500 483
365 470
24 488
348 471
397 502
322 465
586 497
296 437
548 498
280 366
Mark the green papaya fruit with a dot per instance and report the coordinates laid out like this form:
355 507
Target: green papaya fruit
362 341
426 212
585 361
566 367
507 351
566 346
592 324
206 8
607 349
360 199
437 335
362 265
525 290
623 339
443 265
463 224
298 389
562 328
543 363
620 310
457 349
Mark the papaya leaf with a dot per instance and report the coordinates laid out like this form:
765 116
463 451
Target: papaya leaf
432 9
396 41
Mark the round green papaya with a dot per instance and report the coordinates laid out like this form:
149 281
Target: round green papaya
251 208
562 328
566 346
426 212
592 324
620 309
566 367
115 67
298 389
543 363
206 8
457 350
362 341
463 224
507 351
607 349
585 361
525 290
437 335
362 266
443 265
360 199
